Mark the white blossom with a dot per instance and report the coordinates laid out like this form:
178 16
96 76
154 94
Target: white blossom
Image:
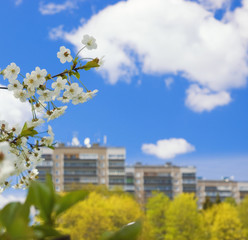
45 95
15 85
55 113
64 99
59 85
4 125
21 94
40 106
47 141
64 55
50 131
89 42
31 81
80 98
35 122
91 94
11 72
100 63
6 162
16 129
40 75
72 90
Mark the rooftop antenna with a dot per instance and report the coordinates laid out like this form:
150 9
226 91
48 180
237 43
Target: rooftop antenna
75 141
104 140
87 142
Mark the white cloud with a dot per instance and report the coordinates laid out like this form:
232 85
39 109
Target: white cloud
18 2
168 82
170 37
53 8
12 110
202 99
168 148
56 33
10 198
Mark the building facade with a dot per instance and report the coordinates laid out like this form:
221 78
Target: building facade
214 189
73 167
169 179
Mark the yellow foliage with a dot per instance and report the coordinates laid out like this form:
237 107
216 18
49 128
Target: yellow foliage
89 219
243 215
156 209
183 222
222 223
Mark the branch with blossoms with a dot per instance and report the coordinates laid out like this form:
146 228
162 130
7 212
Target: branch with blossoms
20 146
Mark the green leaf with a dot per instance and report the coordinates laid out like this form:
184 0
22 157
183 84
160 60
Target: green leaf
52 147
9 212
128 232
67 201
25 127
42 196
48 76
91 64
76 74
43 231
75 62
15 218
28 131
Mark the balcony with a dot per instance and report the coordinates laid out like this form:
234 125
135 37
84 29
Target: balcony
116 173
129 188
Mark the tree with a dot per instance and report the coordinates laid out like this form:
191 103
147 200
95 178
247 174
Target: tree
243 214
227 225
156 210
231 201
218 200
208 220
207 203
183 222
89 219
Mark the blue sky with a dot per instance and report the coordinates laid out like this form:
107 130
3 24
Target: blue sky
175 71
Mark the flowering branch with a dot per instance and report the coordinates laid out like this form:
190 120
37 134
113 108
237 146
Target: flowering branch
20 147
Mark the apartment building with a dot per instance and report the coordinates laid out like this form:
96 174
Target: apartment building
169 179
73 167
46 166
217 189
242 190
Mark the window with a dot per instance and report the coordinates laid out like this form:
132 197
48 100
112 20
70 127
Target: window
57 180
57 164
57 172
129 180
117 156
80 164
57 188
88 156
80 172
116 164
